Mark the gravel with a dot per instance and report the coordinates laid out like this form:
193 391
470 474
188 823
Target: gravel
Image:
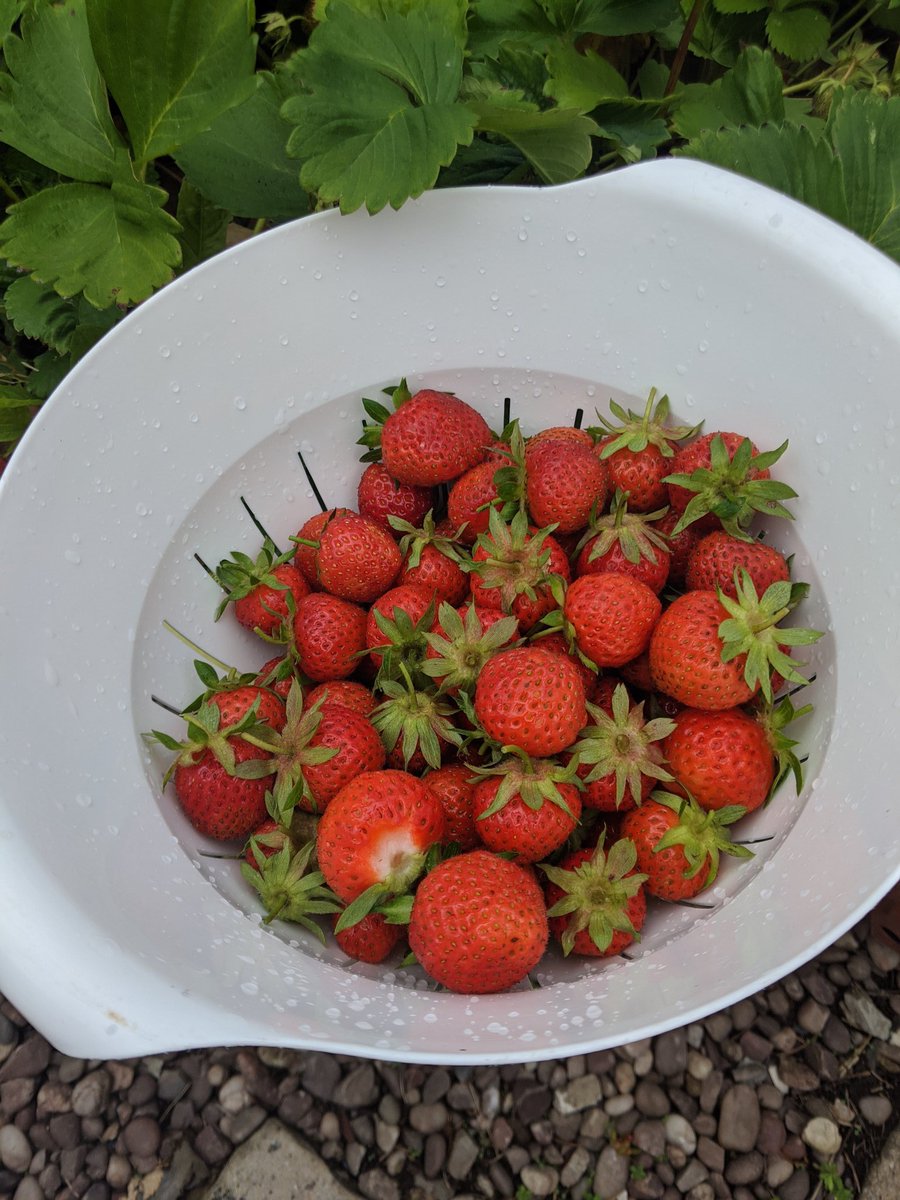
759 1099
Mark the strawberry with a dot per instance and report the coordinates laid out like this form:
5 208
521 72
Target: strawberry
555 643
625 543
346 692
461 641
416 726
307 542
564 482
709 651
526 807
595 900
678 844
431 560
514 566
277 674
611 616
430 438
638 451
369 940
715 559
329 635
234 704
619 759
561 433
381 497
396 627
267 839
478 923
532 699
722 478
454 786
258 589
470 500
376 831
357 559
721 758
680 545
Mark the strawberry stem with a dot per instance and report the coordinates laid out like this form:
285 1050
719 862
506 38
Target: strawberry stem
210 658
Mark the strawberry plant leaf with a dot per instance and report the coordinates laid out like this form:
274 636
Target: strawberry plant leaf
203 226
720 36
740 6
542 23
241 162
581 81
616 18
865 133
39 312
10 11
557 142
172 67
16 409
382 115
53 104
751 93
798 33
116 244
787 158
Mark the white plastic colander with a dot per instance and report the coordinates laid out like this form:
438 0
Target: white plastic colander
119 937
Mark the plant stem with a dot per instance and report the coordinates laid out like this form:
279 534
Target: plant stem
7 191
259 225
216 662
681 52
849 15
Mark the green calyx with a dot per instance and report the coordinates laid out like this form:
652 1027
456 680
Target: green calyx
633 531
637 431
702 836
404 646
413 541
240 574
292 752
516 558
464 647
597 894
623 745
725 488
379 897
536 781
288 890
752 628
415 720
774 717
205 735
510 480
379 413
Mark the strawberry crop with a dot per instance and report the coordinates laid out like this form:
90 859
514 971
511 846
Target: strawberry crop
444 752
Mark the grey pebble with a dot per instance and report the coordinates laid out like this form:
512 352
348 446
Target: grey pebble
739 1118
650 1099
540 1181
428 1118
377 1185
877 1110
670 1052
575 1167
91 1093
15 1094
15 1149
358 1089
436 1155
610 1174
142 1136
30 1057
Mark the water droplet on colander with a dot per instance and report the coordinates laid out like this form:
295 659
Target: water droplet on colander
141 509
284 340
72 556
354 296
703 347
440 281
317 274
165 351
194 418
681 369
571 236
83 800
821 438
523 235
642 286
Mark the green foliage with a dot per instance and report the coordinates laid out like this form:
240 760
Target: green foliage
134 136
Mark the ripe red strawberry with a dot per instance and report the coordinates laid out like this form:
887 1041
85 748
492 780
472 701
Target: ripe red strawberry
357 559
469 498
714 560
721 758
277 674
380 497
217 802
454 786
259 589
561 433
680 544
478 923
638 451
310 532
612 617
514 566
288 889
346 692
526 808
678 844
370 939
329 635
354 744
722 478
400 633
532 699
564 481
461 641
234 704
625 543
432 560
555 643
619 756
376 830
595 901
267 839
431 437
686 655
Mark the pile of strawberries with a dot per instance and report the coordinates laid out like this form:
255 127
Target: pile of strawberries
527 684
